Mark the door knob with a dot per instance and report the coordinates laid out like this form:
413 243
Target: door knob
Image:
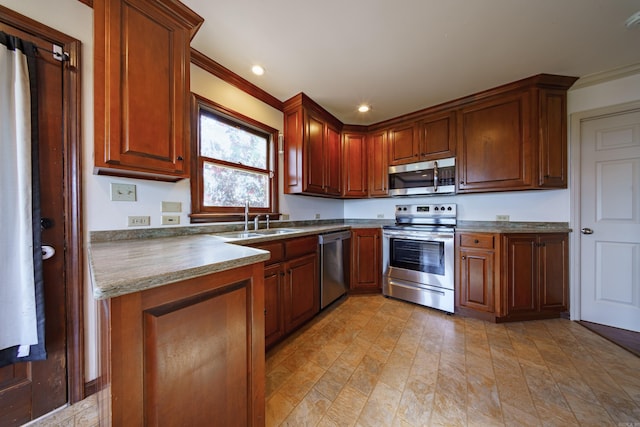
47 251
586 231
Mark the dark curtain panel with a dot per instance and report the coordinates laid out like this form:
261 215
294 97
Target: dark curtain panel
38 351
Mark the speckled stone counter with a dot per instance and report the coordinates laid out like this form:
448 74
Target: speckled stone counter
127 266
513 227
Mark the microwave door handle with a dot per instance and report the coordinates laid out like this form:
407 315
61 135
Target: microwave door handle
435 176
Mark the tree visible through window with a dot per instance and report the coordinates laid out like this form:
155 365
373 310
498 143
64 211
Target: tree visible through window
235 162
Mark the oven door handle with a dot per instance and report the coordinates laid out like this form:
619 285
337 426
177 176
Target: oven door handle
418 235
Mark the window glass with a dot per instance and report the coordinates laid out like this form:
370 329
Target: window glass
224 141
229 186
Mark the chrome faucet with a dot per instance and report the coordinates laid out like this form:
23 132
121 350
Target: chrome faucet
255 222
267 222
246 216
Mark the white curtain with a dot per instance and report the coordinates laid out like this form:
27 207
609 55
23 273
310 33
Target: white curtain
18 321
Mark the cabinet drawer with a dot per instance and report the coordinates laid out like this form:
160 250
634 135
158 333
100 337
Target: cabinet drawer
276 249
477 240
301 246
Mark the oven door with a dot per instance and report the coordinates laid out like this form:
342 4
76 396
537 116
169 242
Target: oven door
422 257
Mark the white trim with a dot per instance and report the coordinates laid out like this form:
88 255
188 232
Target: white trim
605 76
575 139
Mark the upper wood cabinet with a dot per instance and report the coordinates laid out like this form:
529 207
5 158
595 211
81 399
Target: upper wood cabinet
354 165
312 149
378 163
514 137
141 108
403 144
437 136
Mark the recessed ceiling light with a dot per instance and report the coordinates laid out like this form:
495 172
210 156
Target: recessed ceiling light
257 70
363 108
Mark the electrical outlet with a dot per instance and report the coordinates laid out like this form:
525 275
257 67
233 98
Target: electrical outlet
123 192
170 219
502 217
317 216
138 221
285 217
380 215
171 207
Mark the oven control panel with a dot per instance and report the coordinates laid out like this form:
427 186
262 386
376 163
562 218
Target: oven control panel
444 213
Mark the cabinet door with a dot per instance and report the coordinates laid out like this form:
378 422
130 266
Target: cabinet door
273 304
354 159
521 273
366 269
377 153
403 144
315 152
554 286
553 139
142 122
302 291
332 162
293 151
476 279
437 136
497 133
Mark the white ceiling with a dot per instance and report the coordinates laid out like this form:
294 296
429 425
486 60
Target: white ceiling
404 55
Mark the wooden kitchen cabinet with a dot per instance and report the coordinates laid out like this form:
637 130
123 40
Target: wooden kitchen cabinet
478 279
514 137
141 88
535 275
354 165
292 287
189 352
511 276
437 136
403 143
312 149
378 166
366 264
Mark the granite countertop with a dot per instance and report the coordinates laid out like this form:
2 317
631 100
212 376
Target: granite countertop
513 227
127 266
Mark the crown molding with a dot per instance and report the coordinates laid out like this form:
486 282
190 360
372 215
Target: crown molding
605 76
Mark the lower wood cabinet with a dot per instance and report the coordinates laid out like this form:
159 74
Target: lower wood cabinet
512 276
292 287
366 266
188 353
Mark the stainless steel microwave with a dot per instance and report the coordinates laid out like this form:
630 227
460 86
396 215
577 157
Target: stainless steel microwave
423 178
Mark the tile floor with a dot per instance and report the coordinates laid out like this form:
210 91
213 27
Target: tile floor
372 361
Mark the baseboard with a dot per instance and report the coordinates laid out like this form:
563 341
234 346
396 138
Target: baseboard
90 388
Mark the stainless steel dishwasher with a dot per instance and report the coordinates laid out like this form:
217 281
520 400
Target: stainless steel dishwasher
335 249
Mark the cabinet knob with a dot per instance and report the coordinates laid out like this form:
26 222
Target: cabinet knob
180 158
476 241
461 182
464 257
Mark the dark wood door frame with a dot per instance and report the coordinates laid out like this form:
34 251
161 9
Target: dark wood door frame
72 158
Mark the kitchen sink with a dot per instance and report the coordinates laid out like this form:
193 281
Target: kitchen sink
268 231
238 235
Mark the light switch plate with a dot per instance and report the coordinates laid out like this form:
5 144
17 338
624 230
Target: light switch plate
123 192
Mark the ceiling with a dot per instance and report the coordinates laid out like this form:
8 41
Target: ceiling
402 56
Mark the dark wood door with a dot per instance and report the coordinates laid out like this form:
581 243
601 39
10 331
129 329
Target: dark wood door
315 152
521 273
354 160
437 136
378 164
366 268
554 283
333 162
31 389
273 309
476 279
403 144
302 293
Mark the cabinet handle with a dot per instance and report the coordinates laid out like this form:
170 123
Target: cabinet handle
180 158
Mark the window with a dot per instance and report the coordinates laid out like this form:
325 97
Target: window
235 163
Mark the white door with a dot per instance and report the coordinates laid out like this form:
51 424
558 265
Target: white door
610 220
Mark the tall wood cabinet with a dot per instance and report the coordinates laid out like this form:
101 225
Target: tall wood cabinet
512 276
189 352
141 88
378 166
312 149
366 263
355 157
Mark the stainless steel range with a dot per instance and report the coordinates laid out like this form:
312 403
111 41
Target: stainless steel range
418 255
